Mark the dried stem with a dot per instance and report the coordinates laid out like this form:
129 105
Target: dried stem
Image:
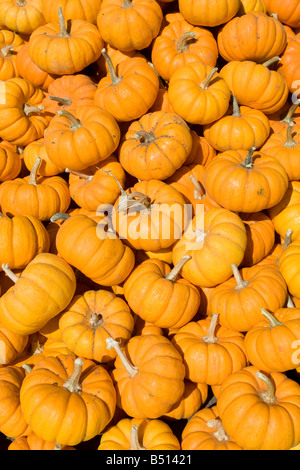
210 337
114 77
34 170
204 85
134 439
183 42
268 396
72 384
240 284
172 275
131 369
9 273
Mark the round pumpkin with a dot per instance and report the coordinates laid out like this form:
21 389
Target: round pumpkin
10 161
78 9
34 442
37 149
208 13
289 267
10 44
260 237
22 16
11 345
288 13
27 69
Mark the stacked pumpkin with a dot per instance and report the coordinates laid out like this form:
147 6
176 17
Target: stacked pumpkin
149 225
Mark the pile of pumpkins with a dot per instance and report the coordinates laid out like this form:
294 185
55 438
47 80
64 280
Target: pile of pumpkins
124 324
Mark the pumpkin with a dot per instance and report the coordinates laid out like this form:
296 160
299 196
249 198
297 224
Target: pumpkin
255 85
69 91
147 361
285 215
22 238
180 43
11 345
139 434
150 216
242 128
260 411
252 5
193 398
239 300
10 44
10 161
91 318
211 352
285 116
129 25
43 347
202 152
198 93
34 442
40 197
289 267
80 9
88 127
205 431
213 239
208 13
21 117
129 91
156 294
259 37
162 102
50 281
97 253
284 146
46 40
12 422
288 67
270 343
27 69
260 237
81 404
22 16
116 56
289 13
37 149
245 181
155 146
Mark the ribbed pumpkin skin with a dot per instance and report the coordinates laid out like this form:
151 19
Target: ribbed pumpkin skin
10 161
27 69
21 18
8 67
289 67
69 417
261 237
288 12
12 422
47 279
152 435
259 38
208 13
289 267
197 435
78 9
160 367
11 345
34 442
252 422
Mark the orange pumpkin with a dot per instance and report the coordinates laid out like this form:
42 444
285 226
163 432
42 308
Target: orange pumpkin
211 352
193 398
260 237
88 127
155 146
147 361
208 13
198 93
80 9
10 44
46 40
239 300
11 345
205 431
34 442
37 149
289 267
129 91
129 25
83 399
245 181
286 214
252 5
22 16
156 294
180 43
50 281
288 13
253 36
256 408
10 161
91 318
27 69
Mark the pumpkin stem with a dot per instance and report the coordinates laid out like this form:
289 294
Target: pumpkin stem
134 439
33 173
21 3
144 137
271 61
172 275
183 42
7 50
57 446
200 235
220 433
288 118
26 367
63 30
198 192
240 284
290 142
114 77
236 107
72 384
74 122
287 238
248 163
268 396
271 318
32 109
127 4
59 216
9 273
81 175
210 337
95 320
131 369
290 303
204 85
136 200
62 101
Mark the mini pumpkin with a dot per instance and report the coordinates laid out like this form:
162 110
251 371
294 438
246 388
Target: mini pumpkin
260 237
10 161
27 69
12 345
22 16
80 9
10 44
288 13
207 13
